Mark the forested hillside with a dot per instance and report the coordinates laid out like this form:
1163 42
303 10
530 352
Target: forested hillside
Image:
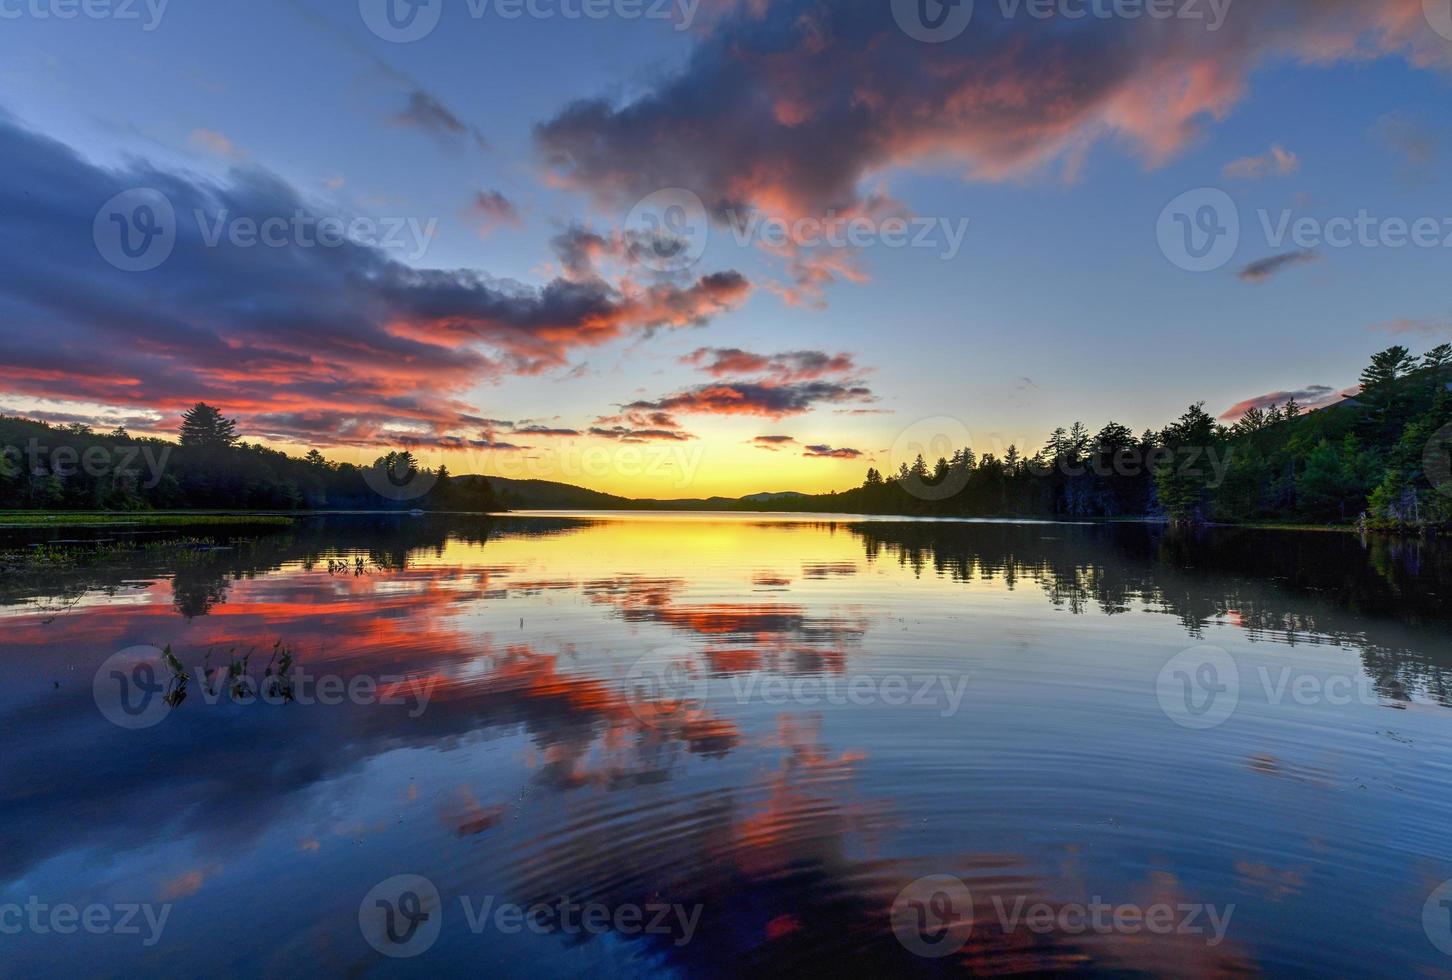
1382 454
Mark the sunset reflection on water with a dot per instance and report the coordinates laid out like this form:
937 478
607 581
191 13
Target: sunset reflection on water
781 723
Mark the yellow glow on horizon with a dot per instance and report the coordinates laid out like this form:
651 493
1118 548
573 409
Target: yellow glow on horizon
658 470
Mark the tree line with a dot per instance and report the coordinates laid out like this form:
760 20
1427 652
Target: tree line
73 467
1380 457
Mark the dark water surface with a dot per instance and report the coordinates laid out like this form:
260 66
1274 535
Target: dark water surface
730 745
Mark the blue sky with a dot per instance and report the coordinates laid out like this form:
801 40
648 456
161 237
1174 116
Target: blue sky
1059 306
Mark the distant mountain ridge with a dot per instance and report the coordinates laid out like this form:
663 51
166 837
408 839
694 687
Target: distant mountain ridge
549 495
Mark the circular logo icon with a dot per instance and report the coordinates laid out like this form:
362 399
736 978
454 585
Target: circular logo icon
132 687
931 439
1437 917
1199 231
1199 688
1439 15
666 688
932 21
933 916
401 21
668 231
399 476
1437 460
136 230
402 917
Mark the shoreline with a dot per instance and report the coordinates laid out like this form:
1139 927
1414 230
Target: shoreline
28 520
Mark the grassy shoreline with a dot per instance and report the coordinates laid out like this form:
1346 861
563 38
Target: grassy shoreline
43 519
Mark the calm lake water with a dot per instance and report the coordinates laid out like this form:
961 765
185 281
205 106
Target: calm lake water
694 745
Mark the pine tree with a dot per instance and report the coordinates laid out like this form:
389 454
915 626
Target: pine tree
203 427
1385 400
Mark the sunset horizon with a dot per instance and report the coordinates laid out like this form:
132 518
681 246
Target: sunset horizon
543 299
702 489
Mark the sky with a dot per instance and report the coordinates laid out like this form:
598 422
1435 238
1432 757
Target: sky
678 248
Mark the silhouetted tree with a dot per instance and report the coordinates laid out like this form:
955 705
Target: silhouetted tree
203 427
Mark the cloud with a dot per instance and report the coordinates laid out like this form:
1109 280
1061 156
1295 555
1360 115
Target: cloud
491 209
768 400
100 419
772 442
1262 269
627 434
424 111
1408 139
804 101
801 365
1276 162
580 249
583 252
827 452
543 430
1406 325
333 346
1312 396
214 142
427 114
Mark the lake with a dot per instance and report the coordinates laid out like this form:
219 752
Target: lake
722 745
